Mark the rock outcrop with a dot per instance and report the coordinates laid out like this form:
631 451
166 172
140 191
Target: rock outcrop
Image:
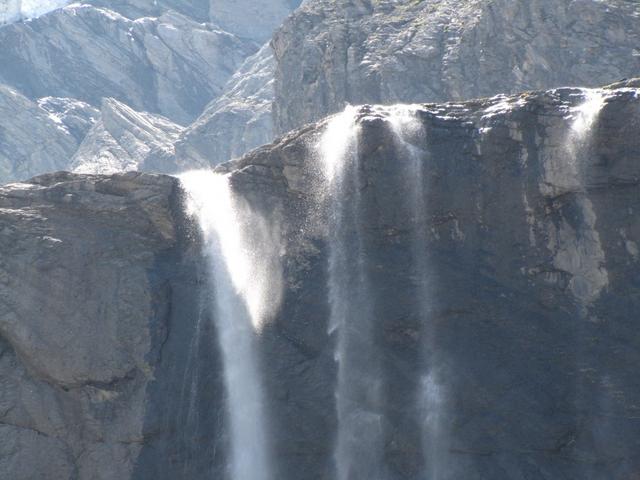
252 19
95 277
74 116
75 409
512 280
32 139
198 10
239 120
514 277
170 65
125 140
332 53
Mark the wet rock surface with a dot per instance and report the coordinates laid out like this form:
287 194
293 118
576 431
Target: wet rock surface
531 256
530 288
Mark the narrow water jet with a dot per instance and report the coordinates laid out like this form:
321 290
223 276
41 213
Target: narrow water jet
581 253
246 284
359 445
579 249
409 132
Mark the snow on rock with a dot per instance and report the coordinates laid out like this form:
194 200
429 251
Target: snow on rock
15 10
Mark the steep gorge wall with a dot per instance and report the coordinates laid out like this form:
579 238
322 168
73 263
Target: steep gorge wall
521 292
526 309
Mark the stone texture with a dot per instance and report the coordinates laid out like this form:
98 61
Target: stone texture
332 53
108 364
254 19
169 65
125 140
195 9
72 115
94 275
531 287
239 120
32 140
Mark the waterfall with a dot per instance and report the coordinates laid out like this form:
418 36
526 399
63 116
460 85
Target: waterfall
359 444
242 252
409 132
578 247
359 450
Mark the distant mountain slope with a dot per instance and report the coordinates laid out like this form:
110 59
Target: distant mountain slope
239 120
32 140
169 65
125 140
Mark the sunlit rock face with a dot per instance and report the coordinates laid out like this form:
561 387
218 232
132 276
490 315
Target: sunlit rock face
32 139
171 64
329 53
492 246
124 140
237 121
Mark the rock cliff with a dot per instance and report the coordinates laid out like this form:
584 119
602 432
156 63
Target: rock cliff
332 53
499 243
124 140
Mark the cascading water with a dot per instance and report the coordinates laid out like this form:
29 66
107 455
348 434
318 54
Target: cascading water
359 444
409 131
581 253
242 252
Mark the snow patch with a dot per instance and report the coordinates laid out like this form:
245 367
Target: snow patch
16 10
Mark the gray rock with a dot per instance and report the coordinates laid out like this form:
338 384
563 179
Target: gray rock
528 307
254 19
75 116
169 65
332 53
521 289
75 372
195 9
125 140
32 140
239 120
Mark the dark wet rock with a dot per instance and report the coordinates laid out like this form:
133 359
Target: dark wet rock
531 254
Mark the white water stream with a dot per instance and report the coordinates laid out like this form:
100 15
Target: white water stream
242 251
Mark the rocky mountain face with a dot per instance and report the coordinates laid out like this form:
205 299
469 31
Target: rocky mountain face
498 252
86 302
169 65
32 140
125 140
198 62
237 121
332 53
186 60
